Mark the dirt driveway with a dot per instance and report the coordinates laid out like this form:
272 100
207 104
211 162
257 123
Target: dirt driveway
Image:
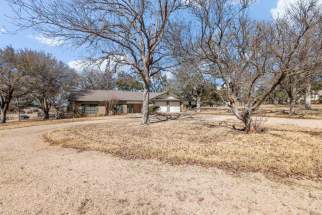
308 123
36 178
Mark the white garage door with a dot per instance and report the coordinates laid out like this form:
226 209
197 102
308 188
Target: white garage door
163 106
174 107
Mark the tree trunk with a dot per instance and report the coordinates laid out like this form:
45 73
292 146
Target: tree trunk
248 122
46 114
45 108
245 117
292 105
5 102
145 106
107 111
198 103
292 98
3 116
307 101
4 113
19 113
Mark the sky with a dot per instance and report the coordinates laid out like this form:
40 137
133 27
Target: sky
9 36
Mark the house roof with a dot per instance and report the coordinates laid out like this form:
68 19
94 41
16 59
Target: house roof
166 96
105 95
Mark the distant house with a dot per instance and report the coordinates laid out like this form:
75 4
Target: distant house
96 102
317 96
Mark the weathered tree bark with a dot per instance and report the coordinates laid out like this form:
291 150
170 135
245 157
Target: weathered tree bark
46 114
5 102
45 108
198 101
4 114
109 109
292 91
244 116
292 104
19 113
307 100
248 122
145 106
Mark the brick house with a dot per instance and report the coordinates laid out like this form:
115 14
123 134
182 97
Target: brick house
96 102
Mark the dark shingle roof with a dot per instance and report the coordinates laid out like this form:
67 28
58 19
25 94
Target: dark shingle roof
105 95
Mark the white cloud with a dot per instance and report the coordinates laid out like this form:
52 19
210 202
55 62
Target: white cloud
169 75
282 7
49 41
78 65
3 30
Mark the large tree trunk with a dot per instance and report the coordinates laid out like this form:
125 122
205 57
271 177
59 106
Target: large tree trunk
46 114
45 108
292 104
145 106
307 99
245 116
248 122
19 113
198 103
4 111
292 99
5 102
3 116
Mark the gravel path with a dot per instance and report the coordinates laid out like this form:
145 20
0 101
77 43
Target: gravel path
36 178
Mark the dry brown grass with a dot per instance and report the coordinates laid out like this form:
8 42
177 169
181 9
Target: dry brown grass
280 111
284 151
300 111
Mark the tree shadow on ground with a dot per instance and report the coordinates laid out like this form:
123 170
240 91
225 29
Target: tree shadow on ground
161 117
233 126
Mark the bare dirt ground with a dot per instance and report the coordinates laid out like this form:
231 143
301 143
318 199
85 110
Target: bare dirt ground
36 178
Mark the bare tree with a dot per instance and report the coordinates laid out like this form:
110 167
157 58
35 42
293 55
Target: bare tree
110 106
191 83
51 81
308 93
131 31
99 75
129 82
253 58
12 79
159 83
314 49
190 78
294 88
307 58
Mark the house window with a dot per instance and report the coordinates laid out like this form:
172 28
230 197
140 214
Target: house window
90 109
